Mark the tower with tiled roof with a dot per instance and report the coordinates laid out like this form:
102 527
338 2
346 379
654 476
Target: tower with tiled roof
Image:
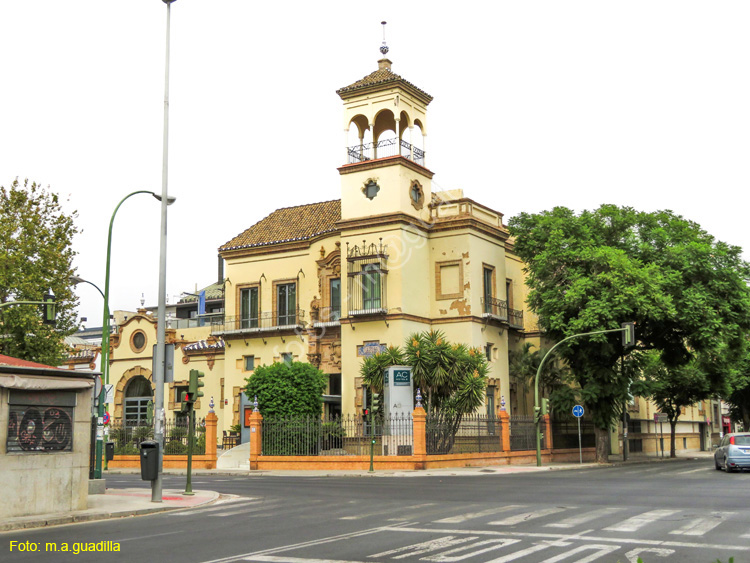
385 120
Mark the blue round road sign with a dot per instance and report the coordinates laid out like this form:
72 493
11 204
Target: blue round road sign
578 411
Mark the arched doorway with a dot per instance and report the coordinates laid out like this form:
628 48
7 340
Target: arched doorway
138 394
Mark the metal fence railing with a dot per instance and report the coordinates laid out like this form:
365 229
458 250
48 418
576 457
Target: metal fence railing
472 434
127 438
348 435
523 433
565 433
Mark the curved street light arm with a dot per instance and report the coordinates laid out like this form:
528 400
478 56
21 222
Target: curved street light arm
536 384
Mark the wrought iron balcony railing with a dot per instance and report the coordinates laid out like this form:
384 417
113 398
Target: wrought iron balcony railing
498 309
495 308
515 318
385 148
264 322
326 316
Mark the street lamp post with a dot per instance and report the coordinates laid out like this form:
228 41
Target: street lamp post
537 414
106 329
161 313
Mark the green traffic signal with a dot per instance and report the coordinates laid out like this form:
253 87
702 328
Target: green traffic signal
48 310
628 335
195 383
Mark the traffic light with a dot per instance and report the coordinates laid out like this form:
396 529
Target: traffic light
545 406
194 385
48 311
628 335
185 403
377 399
537 414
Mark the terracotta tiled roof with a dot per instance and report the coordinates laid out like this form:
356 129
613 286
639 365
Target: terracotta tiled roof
17 362
380 76
213 291
288 224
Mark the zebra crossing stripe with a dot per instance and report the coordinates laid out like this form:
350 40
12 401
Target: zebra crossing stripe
637 522
518 518
583 518
700 526
471 515
388 511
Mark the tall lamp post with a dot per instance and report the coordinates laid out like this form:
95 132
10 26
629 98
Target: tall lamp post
161 313
106 329
628 340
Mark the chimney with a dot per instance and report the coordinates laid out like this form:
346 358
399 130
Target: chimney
384 64
221 269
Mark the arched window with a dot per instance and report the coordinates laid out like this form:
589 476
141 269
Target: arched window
138 394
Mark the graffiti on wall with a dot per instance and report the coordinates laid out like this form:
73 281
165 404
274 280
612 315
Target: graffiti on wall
40 429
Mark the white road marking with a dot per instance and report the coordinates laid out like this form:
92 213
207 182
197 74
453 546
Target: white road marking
700 526
381 512
637 522
635 553
583 518
580 536
276 559
448 557
424 547
601 550
321 541
528 551
224 506
518 518
470 515
711 469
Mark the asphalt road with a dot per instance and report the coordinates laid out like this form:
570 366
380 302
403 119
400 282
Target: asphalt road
674 511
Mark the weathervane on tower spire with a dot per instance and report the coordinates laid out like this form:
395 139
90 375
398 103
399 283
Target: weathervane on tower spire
383 47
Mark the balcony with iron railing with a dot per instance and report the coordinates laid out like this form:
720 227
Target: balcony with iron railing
272 321
385 148
326 316
497 309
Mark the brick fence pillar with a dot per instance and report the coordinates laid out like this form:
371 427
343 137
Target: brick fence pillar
505 430
256 438
547 432
420 437
211 422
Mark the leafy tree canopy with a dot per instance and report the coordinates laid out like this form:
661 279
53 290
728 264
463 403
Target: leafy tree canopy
36 254
685 290
287 390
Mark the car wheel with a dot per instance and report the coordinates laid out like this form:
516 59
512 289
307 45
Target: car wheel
716 464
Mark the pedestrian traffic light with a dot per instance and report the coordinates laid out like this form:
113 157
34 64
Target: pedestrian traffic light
194 385
628 335
185 403
545 406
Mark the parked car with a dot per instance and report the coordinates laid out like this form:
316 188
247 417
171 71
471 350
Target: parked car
733 452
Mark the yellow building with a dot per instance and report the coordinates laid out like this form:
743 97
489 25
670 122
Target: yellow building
334 281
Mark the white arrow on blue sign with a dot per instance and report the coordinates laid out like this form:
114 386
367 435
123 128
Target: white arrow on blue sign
578 411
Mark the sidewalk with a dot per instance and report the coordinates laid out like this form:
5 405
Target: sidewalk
115 503
119 503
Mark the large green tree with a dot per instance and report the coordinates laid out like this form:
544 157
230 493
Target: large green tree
594 270
673 388
36 255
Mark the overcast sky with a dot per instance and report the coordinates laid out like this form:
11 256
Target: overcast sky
537 104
